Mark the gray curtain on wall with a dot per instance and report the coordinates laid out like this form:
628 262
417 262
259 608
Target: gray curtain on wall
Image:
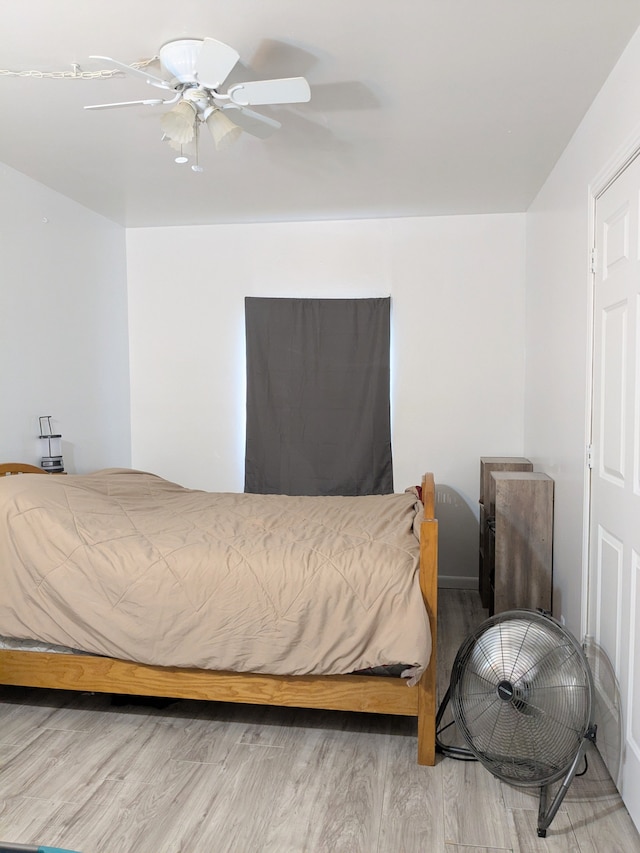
318 413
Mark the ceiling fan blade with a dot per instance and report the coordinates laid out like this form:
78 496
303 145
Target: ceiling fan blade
215 62
289 90
252 122
135 72
150 102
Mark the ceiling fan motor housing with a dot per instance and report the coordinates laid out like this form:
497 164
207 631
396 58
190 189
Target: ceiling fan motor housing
179 59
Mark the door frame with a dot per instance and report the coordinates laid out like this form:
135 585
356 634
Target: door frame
614 167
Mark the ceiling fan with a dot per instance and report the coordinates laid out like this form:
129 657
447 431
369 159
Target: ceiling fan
196 70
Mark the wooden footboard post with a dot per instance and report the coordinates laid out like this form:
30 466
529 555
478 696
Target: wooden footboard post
429 584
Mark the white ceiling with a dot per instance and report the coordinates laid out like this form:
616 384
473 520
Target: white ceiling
418 107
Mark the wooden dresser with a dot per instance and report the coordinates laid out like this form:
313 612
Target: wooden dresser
516 535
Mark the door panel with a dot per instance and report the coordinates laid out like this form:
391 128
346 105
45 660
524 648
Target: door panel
633 714
613 372
614 563
609 574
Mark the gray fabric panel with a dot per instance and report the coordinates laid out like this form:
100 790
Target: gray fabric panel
318 414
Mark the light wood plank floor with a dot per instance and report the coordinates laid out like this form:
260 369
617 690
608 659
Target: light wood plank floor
81 773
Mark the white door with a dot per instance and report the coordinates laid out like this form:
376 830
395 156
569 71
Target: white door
614 557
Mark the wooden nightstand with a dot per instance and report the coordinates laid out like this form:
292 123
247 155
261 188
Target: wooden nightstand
489 464
521 534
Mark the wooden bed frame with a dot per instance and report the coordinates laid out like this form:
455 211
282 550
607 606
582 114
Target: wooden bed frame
372 694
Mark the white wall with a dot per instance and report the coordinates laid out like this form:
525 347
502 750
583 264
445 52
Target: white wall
63 328
558 317
457 288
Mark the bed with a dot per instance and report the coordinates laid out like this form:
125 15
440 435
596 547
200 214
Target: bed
86 656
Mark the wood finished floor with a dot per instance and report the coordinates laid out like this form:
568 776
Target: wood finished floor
81 773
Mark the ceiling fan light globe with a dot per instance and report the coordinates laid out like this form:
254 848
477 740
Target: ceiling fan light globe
179 123
222 129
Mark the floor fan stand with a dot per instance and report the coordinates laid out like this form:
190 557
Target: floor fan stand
546 815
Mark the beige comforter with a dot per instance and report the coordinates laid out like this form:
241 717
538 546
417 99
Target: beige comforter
126 564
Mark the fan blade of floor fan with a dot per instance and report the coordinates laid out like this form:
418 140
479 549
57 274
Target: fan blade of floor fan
289 90
135 72
150 102
252 122
215 62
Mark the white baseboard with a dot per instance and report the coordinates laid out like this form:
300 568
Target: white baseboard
457 582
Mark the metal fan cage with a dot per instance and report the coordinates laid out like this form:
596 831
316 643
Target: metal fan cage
521 694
